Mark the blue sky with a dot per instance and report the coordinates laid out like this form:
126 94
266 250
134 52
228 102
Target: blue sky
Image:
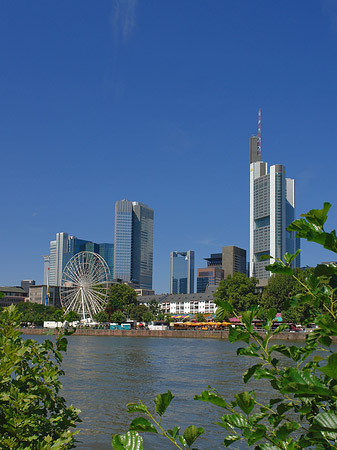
155 101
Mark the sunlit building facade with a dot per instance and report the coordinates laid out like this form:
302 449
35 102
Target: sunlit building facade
133 253
272 209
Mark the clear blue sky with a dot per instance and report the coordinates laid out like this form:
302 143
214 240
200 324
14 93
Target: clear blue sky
155 101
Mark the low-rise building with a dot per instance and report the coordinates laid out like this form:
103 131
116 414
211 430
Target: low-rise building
184 304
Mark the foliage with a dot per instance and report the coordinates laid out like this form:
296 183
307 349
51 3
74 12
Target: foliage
121 296
137 312
117 317
200 317
101 316
239 291
302 409
147 317
154 308
72 316
132 441
37 313
33 415
278 292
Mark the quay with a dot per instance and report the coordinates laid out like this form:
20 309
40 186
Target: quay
199 334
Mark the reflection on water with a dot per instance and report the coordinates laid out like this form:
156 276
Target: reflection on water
103 374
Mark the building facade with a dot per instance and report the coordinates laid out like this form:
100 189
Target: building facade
133 255
63 248
209 276
272 209
182 272
234 259
184 304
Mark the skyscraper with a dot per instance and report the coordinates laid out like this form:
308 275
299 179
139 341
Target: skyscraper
233 260
182 272
133 258
272 209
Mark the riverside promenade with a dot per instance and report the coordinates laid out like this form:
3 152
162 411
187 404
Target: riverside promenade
198 334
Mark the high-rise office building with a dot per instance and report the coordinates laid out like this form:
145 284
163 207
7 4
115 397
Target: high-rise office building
182 272
63 248
272 209
133 257
234 260
209 276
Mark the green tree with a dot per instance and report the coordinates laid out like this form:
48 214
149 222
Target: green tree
280 289
117 317
154 308
120 297
33 416
72 316
137 312
147 317
200 317
101 317
239 291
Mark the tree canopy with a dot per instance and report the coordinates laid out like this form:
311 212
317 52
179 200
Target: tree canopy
239 291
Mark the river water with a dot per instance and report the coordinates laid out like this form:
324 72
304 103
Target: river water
104 373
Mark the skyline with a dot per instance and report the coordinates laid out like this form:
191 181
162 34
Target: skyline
156 103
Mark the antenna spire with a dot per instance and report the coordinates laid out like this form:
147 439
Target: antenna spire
259 134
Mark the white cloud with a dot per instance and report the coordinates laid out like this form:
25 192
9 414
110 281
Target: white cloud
123 17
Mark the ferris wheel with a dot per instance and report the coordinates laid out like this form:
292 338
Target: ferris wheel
84 284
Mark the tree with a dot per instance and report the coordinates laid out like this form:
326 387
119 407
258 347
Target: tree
301 412
239 291
117 317
147 316
200 317
120 297
136 313
33 416
154 307
72 316
101 317
280 289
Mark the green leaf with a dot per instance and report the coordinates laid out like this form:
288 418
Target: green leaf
284 430
256 435
142 425
325 421
236 334
289 258
330 369
135 407
245 402
318 217
211 397
174 433
128 441
162 402
279 267
234 420
230 439
192 433
271 313
250 372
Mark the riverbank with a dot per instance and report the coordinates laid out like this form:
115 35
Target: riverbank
199 334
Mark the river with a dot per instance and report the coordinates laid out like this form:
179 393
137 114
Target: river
103 374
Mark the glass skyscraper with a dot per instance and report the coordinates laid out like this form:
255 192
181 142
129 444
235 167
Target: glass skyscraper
182 272
133 257
272 209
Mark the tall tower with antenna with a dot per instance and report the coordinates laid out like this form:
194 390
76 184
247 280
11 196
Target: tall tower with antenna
272 209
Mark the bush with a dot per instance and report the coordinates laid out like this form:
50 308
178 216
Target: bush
32 413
